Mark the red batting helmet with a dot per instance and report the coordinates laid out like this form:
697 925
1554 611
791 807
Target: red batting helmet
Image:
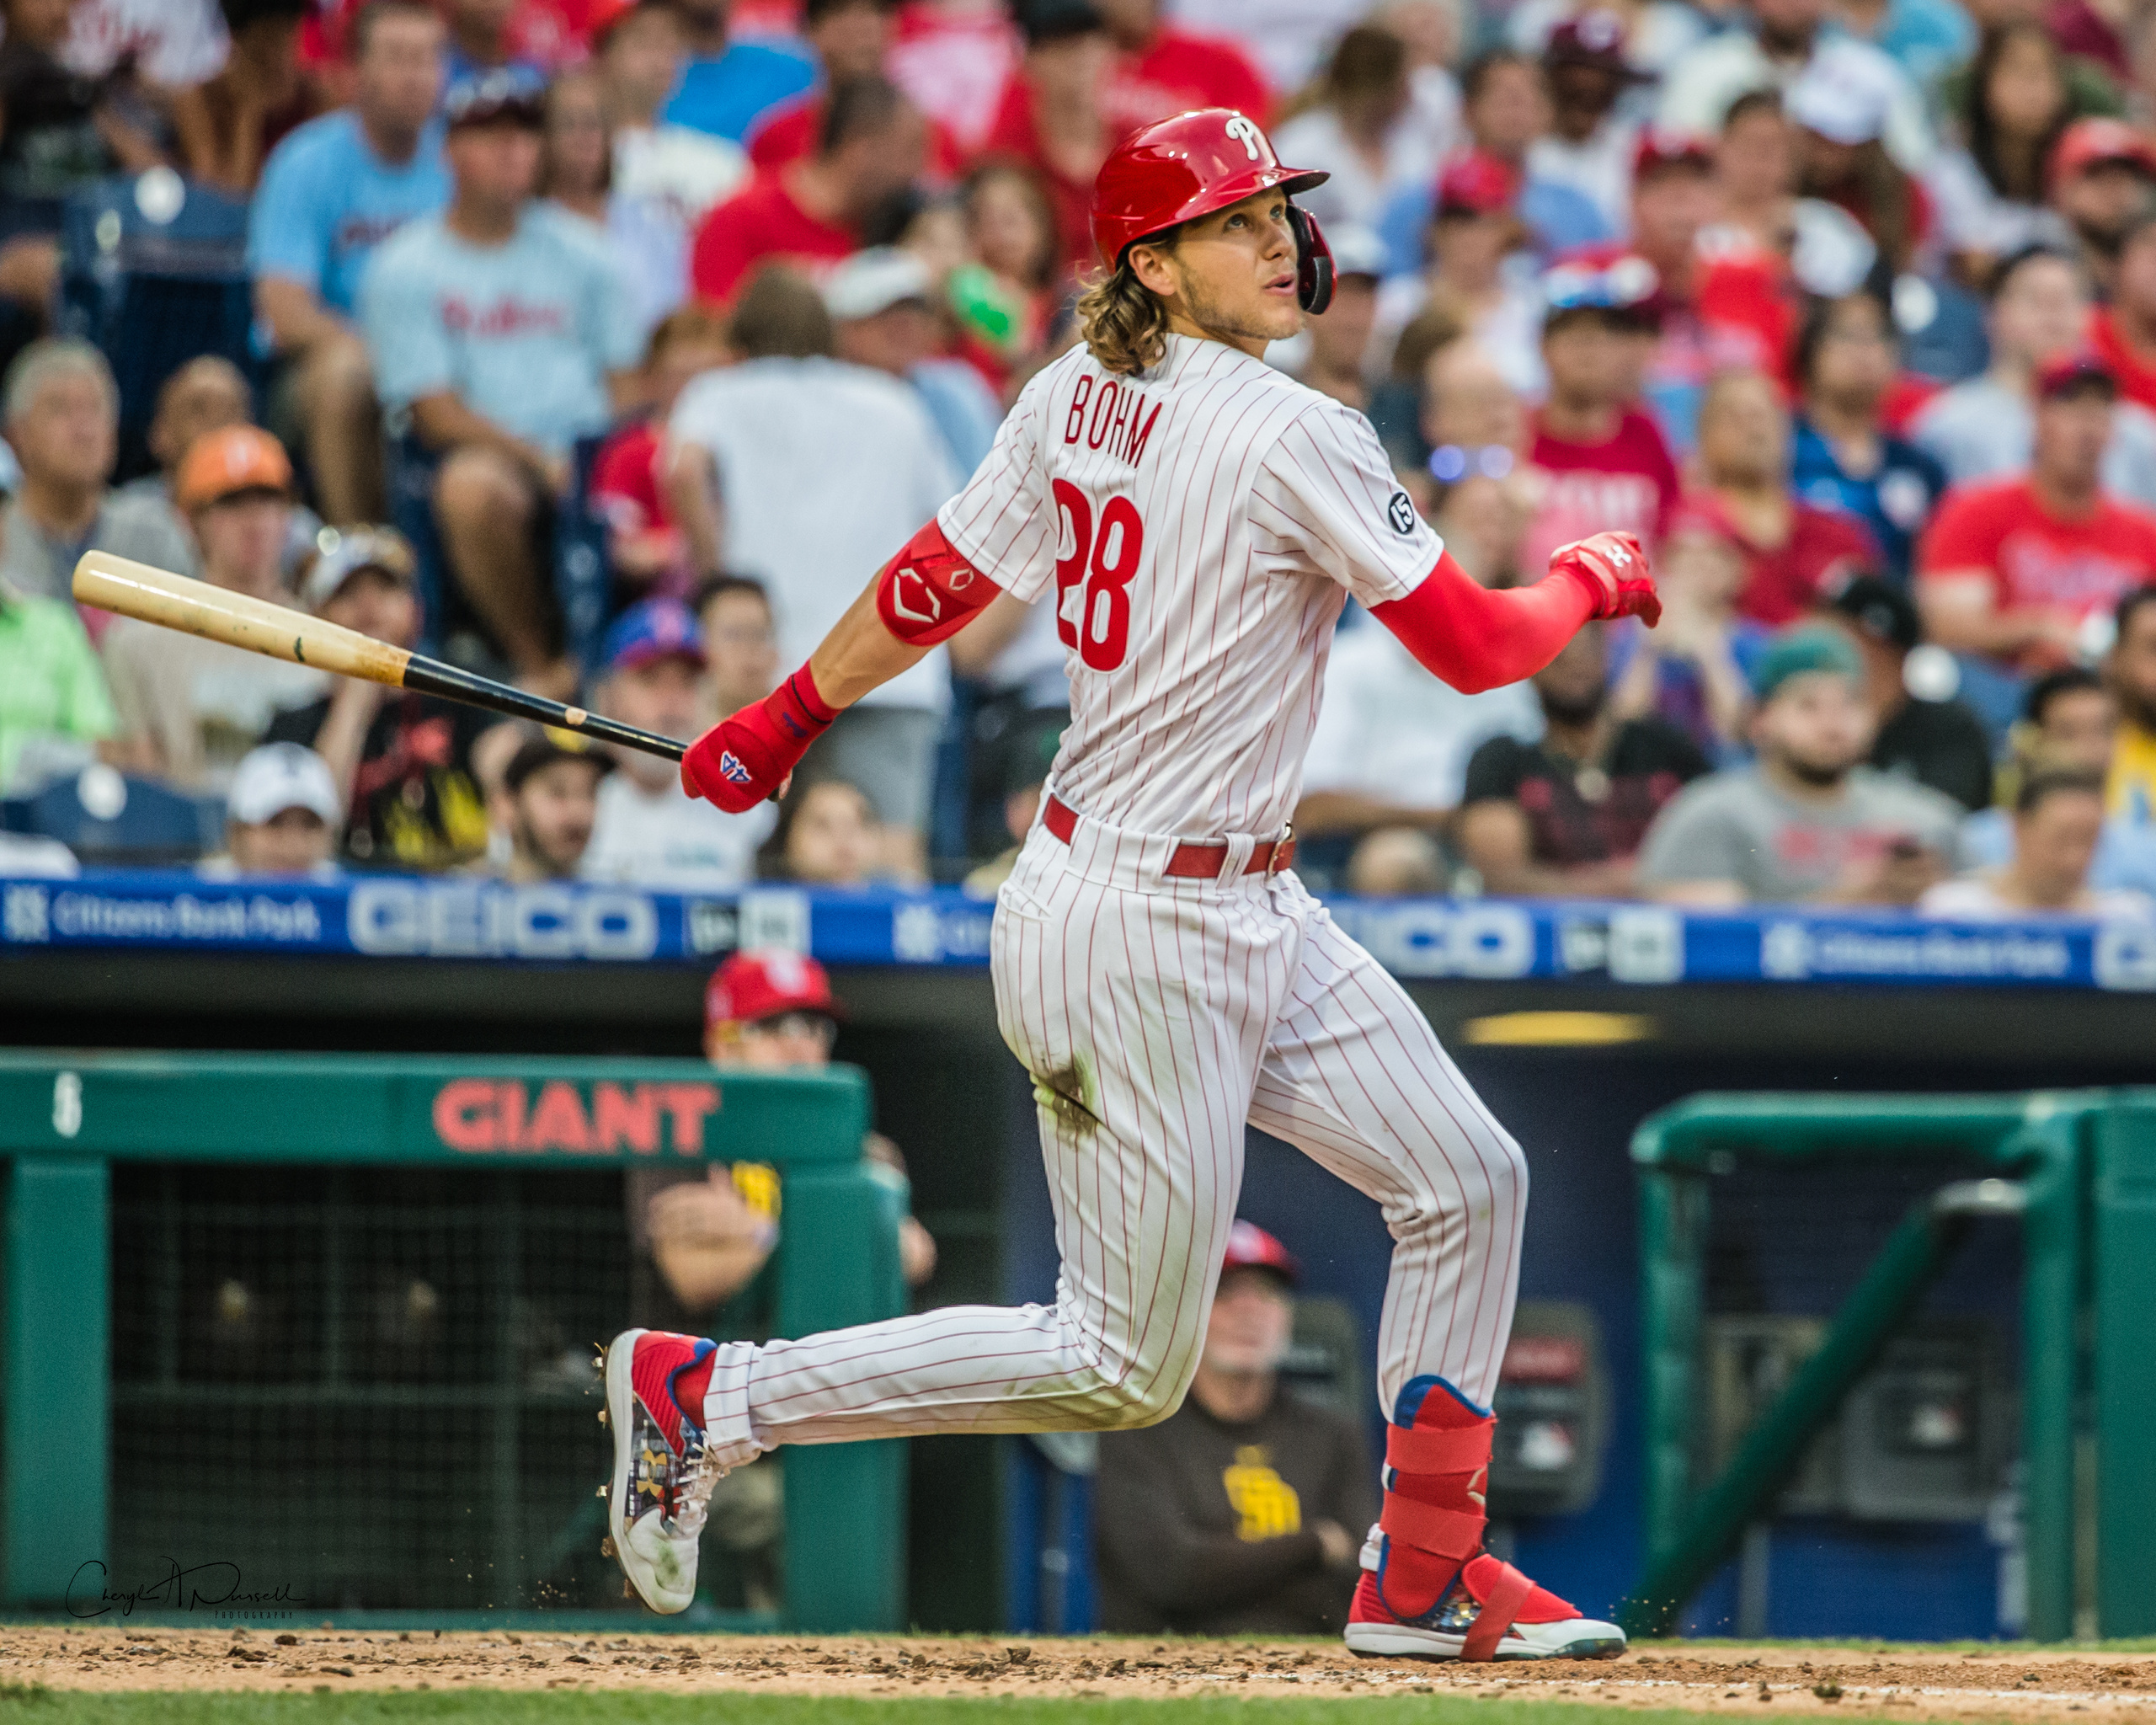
1178 169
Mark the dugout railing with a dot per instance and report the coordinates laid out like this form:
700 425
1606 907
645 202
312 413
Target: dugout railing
2073 1173
313 1335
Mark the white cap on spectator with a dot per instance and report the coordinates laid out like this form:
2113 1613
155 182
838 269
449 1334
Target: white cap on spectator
1357 251
1846 102
875 281
280 776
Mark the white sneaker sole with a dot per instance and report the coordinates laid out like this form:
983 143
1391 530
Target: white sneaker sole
1575 1638
622 1420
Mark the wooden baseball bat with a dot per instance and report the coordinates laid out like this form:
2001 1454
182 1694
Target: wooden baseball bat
155 596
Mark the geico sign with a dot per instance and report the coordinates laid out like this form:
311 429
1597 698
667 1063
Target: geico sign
467 919
1429 937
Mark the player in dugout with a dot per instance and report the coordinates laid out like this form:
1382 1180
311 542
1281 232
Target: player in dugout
1159 969
1232 1516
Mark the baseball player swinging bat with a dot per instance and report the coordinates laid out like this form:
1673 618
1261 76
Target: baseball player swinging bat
155 596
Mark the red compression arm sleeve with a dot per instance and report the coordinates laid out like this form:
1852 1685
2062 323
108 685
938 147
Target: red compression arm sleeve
927 593
1476 637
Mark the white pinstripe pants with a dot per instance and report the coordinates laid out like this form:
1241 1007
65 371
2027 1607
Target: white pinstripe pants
1157 1017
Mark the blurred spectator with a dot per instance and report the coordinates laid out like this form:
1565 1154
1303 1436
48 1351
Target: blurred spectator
1694 670
1473 239
1842 458
192 707
1927 39
1004 294
637 49
1991 194
1607 464
725 86
62 419
1027 765
1431 29
734 612
1755 176
1391 743
1792 548
1656 33
1163 69
757 451
2123 332
2059 822
1919 734
1289 38
548 805
2097 33
170 43
850 38
1808 822
2070 723
628 487
576 175
1396 863
1053 118
401 760
1481 495
883 318
649 831
1506 104
826 836
1840 113
53 701
1564 817
1362 131
202 396
281 816
2102 174
59 132
331 192
1589 145
2131 671
482 37
227 125
2016 569
1333 354
502 330
1243 1511
1984 429
1787 39
953 58
872 145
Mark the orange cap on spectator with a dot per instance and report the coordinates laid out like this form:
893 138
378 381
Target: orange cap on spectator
224 462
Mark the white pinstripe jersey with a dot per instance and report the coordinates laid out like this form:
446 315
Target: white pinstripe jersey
1200 527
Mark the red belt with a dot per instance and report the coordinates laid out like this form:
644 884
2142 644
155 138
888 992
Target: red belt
1189 861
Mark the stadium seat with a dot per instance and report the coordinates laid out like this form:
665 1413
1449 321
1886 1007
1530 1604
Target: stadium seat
153 271
103 815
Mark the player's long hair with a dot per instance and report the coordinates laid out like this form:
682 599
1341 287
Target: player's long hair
1124 321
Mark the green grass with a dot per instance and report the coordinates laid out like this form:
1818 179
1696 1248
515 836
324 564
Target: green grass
44 1706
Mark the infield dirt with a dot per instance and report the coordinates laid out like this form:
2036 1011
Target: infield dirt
1810 1679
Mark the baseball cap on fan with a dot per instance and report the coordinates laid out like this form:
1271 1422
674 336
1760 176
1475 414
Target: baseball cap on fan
233 461
382 549
2074 374
2099 142
280 776
1595 39
1846 102
507 95
1477 184
874 280
1250 1247
651 629
751 986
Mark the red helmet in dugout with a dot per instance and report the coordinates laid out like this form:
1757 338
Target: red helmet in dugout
1178 169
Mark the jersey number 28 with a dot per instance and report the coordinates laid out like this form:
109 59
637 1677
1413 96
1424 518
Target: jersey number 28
1092 583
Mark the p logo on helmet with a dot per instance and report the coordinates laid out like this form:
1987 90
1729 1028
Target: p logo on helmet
1178 169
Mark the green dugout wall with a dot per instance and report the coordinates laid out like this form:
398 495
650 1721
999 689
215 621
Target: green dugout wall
493 1177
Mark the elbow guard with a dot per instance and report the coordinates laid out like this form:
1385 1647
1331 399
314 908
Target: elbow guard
927 593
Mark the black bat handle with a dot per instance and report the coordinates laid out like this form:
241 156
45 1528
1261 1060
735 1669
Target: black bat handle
430 677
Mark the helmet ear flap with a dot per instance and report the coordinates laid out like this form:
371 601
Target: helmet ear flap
1314 268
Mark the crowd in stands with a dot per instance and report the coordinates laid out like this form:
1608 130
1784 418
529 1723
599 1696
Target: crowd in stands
1847 308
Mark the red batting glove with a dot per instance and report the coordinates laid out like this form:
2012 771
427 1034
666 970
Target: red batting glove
1612 568
741 761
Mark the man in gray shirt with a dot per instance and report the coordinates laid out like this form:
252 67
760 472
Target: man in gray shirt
1807 822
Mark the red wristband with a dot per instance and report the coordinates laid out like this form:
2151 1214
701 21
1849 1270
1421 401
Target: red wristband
745 758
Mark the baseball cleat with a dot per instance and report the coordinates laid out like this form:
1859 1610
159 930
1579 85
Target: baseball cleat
1428 1589
1542 1627
664 1472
